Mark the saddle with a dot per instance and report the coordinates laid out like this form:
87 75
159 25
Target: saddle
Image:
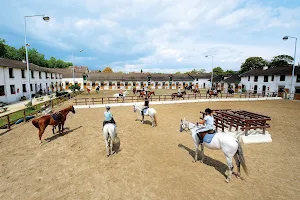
210 132
57 116
108 122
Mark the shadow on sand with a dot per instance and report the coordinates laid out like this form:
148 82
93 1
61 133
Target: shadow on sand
219 166
66 131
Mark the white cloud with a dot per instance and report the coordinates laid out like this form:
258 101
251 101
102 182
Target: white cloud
175 34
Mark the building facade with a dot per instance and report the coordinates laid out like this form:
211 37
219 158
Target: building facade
269 80
114 81
13 80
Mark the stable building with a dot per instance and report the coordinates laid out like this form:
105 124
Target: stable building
13 80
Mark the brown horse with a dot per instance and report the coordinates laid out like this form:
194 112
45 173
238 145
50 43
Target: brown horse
173 95
212 93
150 93
195 91
61 116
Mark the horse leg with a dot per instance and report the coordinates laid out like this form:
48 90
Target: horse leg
41 131
196 153
62 128
111 146
107 146
238 164
202 153
230 168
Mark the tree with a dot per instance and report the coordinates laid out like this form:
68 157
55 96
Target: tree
218 70
2 48
74 87
281 61
201 71
178 73
229 71
141 71
253 63
107 70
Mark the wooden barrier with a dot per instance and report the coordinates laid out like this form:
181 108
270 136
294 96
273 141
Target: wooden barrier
239 119
6 121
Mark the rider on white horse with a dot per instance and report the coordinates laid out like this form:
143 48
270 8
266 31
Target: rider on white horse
179 92
146 105
120 92
208 122
108 117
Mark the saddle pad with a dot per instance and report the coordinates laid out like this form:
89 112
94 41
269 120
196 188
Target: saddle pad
56 116
208 138
145 111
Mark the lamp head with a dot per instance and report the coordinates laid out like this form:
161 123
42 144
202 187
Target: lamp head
285 38
206 56
46 18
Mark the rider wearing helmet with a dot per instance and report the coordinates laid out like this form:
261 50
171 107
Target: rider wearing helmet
108 117
146 105
208 122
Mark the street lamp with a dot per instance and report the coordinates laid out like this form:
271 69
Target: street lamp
74 66
212 69
45 18
293 72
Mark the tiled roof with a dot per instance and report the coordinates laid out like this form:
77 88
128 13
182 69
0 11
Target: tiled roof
272 71
20 65
234 78
142 77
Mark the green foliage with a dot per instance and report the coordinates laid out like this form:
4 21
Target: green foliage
107 70
29 104
218 70
178 73
34 56
281 61
253 63
74 87
194 71
2 48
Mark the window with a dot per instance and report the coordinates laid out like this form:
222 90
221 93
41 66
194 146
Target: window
2 90
272 78
40 86
93 84
266 78
255 78
32 74
31 89
12 89
248 78
67 83
23 73
298 78
24 88
282 77
40 75
11 73
51 76
84 84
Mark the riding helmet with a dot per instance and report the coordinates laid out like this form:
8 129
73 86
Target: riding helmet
108 107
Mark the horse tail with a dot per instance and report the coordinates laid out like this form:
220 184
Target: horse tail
241 157
35 123
155 119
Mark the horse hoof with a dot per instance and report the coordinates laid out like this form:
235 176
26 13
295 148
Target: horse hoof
227 180
194 161
201 161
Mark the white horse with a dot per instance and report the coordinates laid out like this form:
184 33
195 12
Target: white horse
109 133
124 94
230 146
150 112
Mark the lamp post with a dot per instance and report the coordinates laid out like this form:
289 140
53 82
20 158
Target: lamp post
212 69
45 18
74 66
293 72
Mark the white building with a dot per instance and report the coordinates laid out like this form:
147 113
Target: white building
13 80
114 81
269 80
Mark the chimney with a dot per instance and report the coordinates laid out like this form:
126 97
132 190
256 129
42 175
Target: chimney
265 67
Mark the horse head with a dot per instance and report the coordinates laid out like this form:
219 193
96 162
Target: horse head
72 109
183 125
134 109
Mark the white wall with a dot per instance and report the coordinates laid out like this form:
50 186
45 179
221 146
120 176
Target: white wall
18 82
273 85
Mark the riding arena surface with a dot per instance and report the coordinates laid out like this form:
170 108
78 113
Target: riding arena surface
152 163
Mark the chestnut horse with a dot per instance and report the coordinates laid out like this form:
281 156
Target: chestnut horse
195 91
173 95
42 122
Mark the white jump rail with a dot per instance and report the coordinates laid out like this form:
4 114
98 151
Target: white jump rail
176 102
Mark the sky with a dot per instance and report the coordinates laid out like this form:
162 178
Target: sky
156 35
